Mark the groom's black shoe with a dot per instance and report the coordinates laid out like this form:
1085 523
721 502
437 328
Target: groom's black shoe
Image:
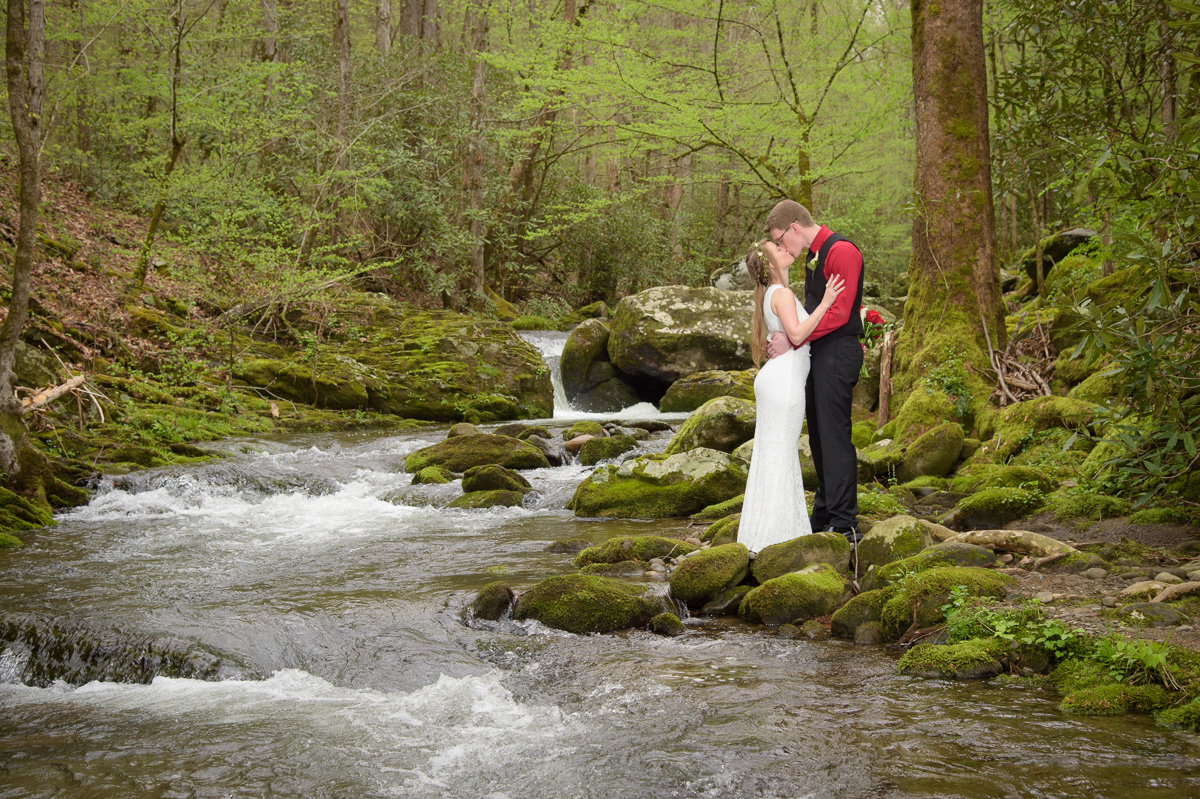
852 534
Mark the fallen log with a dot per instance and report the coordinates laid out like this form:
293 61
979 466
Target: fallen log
46 396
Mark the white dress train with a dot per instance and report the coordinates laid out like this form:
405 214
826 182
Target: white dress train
774 509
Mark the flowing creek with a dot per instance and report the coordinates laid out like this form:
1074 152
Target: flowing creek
320 595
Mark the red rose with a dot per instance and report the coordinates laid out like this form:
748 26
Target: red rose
874 318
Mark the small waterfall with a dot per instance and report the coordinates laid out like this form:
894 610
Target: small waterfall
550 344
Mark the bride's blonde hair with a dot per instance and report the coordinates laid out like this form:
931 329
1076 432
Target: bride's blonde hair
758 264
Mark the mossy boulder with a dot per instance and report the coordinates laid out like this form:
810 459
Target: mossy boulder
1099 388
624 568
650 488
581 603
918 599
725 603
462 452
923 410
700 577
668 624
1012 428
806 594
492 602
721 509
1026 477
488 499
1183 717
491 477
933 453
1055 248
463 429
9 541
723 531
644 548
862 434
432 475
797 554
993 508
595 450
1117 699
723 424
434 365
670 332
864 608
608 396
946 553
885 457
690 392
18 512
892 539
976 659
584 428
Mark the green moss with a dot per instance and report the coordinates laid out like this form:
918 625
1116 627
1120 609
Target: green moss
462 452
643 548
580 603
651 488
862 434
488 499
690 392
9 541
963 659
432 475
996 507
800 553
533 323
807 594
595 450
923 410
1075 504
667 624
1115 699
1184 717
21 513
879 505
722 424
723 531
1182 515
894 539
1013 428
863 608
721 509
1025 477
584 428
702 576
919 598
926 481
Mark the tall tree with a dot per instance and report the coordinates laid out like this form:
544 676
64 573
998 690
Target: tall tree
955 289
24 57
475 150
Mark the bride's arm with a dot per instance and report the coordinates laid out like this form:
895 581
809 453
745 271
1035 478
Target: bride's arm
783 304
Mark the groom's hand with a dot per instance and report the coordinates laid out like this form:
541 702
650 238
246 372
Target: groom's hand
778 345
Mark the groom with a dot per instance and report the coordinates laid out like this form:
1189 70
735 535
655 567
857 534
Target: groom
836 358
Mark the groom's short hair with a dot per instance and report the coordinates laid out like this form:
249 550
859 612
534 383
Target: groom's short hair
785 213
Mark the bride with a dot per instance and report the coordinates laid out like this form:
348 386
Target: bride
774 508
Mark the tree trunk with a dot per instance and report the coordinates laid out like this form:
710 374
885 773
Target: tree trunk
341 43
24 56
955 282
383 27
475 149
270 26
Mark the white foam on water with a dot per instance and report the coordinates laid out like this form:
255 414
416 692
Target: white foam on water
432 734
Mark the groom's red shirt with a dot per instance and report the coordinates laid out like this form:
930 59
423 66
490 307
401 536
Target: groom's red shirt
844 259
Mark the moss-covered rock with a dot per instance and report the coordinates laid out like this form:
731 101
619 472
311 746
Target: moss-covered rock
863 608
721 509
1099 388
1116 699
419 364
918 599
946 553
1026 477
462 452
644 548
595 450
892 539
585 427
862 434
1183 717
1076 504
797 554
432 475
9 541
20 513
670 332
702 576
492 602
878 504
807 594
723 424
1012 429
885 457
725 603
649 488
667 624
488 499
690 392
491 477
933 453
580 603
624 568
993 508
723 531
1055 248
976 659
923 410
465 429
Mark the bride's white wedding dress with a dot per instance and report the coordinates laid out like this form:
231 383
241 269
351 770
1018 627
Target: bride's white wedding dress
774 509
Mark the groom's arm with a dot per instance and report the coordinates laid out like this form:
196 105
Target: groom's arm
845 260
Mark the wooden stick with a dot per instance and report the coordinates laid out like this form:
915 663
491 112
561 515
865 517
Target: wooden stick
51 394
885 377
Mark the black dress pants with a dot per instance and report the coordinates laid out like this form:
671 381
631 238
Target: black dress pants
835 365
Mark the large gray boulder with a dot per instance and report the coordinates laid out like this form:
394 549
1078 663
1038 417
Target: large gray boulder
724 424
689 393
670 332
587 343
653 487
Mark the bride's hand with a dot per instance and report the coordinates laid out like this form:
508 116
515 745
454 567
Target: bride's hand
833 288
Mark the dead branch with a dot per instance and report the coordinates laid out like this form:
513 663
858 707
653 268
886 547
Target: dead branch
45 397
